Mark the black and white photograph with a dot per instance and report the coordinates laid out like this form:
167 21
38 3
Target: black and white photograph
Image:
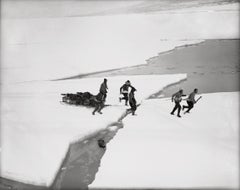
119 94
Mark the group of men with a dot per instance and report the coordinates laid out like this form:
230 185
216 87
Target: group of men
124 91
130 97
177 98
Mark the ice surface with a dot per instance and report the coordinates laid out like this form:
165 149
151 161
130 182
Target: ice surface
158 150
37 129
47 48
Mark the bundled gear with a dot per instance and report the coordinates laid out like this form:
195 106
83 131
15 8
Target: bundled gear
80 98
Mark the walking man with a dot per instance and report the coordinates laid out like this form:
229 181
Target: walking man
191 101
101 97
99 103
132 101
103 89
124 91
177 98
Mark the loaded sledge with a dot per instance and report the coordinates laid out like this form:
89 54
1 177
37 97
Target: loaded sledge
80 98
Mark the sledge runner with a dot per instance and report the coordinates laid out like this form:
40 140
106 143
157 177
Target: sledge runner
132 101
177 98
124 91
191 101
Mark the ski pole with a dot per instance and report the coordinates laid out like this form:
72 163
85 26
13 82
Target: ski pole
198 99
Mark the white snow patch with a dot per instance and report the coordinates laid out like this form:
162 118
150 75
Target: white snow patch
158 150
113 128
37 129
49 48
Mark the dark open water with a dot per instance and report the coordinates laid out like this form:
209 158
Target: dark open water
211 66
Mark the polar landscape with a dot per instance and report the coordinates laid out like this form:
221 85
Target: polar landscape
198 150
53 127
47 144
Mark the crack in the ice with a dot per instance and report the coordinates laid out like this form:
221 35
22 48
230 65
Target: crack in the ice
83 158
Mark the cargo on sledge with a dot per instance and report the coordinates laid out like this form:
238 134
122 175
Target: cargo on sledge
80 98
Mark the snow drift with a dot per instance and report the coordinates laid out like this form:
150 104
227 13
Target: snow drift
37 129
158 150
46 48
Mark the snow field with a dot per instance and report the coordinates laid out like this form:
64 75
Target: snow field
158 150
37 129
48 48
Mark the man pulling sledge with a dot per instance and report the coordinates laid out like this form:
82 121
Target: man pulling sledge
100 98
103 89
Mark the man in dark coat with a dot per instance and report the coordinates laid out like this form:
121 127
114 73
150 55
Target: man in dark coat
103 89
100 98
177 98
124 91
99 103
132 101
